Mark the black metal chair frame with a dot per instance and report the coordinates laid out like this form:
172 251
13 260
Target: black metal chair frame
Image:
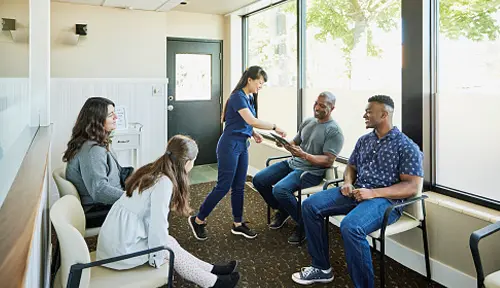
382 237
475 237
75 273
299 192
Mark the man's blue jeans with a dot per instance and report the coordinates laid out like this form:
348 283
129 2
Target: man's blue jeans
362 219
286 181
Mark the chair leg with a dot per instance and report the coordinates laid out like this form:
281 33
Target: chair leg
327 222
426 251
268 215
382 262
299 216
56 262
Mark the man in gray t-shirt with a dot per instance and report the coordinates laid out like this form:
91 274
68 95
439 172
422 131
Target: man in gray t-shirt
314 149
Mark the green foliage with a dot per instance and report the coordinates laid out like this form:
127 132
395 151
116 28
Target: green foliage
472 19
350 20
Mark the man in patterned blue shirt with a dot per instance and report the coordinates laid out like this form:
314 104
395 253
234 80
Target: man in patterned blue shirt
384 168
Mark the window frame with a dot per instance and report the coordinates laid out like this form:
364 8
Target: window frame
432 135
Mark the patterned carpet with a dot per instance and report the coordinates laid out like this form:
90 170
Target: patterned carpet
268 260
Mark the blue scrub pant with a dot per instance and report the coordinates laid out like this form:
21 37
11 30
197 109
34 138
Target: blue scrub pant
232 162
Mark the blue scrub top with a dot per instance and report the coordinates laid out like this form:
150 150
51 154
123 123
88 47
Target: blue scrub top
235 124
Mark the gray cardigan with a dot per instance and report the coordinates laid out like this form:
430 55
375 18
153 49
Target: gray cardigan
95 173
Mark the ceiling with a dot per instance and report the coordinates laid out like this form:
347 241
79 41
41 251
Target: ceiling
220 7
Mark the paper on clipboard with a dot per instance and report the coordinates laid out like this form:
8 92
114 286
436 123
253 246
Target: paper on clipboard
121 115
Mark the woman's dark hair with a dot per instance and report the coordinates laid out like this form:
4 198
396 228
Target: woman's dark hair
180 150
254 73
89 126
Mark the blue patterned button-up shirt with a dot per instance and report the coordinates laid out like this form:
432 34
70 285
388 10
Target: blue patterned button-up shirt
379 162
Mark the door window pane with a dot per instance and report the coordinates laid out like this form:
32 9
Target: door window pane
193 77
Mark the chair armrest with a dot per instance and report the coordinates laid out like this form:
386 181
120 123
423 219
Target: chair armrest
392 207
75 273
299 191
333 181
474 247
276 158
303 175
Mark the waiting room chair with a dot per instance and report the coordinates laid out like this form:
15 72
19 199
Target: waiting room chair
69 222
65 187
330 174
413 216
492 280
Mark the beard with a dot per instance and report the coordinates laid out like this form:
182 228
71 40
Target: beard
320 114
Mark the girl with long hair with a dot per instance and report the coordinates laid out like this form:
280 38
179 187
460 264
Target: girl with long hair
239 115
91 165
139 219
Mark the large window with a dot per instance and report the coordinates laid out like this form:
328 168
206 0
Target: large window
357 57
357 49
353 51
467 132
272 44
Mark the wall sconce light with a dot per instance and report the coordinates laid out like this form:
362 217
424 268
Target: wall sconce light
17 35
8 24
81 29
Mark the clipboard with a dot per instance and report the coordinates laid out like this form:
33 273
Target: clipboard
280 139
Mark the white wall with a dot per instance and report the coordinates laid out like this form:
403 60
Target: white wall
233 60
120 43
14 56
15 135
195 25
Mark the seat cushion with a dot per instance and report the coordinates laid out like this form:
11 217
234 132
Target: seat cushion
404 223
142 276
492 280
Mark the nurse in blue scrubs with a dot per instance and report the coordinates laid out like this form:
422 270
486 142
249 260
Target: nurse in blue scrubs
232 152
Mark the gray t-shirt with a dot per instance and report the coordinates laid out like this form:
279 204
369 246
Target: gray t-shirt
317 138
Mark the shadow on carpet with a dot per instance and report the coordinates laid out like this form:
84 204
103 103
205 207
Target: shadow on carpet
268 260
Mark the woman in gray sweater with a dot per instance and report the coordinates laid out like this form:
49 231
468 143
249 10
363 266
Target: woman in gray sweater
92 167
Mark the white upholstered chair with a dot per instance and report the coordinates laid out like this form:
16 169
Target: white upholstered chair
78 266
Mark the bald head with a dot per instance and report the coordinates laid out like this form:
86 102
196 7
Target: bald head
324 106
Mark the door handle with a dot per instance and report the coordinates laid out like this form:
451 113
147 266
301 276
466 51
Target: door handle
170 107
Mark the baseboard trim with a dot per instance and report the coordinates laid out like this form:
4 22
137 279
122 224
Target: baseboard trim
414 260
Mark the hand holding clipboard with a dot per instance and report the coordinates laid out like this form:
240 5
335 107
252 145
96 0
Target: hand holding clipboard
280 140
294 149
